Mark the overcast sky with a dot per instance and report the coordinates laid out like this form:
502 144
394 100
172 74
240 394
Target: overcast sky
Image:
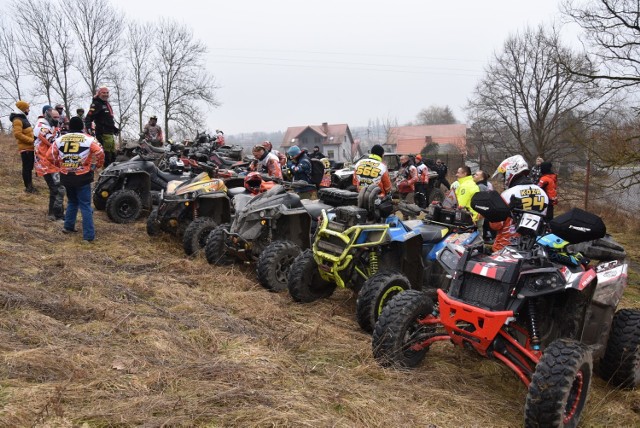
297 62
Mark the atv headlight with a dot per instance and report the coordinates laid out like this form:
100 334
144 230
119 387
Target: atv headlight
104 194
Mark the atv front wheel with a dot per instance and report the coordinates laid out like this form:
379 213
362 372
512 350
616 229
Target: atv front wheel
196 234
398 331
304 283
215 250
559 386
99 203
274 264
376 292
153 226
620 364
124 206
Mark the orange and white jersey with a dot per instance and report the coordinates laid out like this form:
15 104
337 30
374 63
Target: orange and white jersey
326 177
270 164
370 171
45 135
74 153
423 173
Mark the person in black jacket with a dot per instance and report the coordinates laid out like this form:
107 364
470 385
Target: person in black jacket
101 114
317 154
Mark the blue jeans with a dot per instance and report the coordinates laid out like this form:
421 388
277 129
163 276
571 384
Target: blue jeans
80 197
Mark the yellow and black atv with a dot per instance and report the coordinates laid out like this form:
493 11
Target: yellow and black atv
193 208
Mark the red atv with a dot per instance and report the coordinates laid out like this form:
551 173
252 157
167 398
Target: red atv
540 307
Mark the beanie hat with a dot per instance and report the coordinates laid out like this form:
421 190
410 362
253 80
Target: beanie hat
76 124
22 105
377 150
294 151
545 167
45 108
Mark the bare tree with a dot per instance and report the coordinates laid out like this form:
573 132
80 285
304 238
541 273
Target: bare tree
436 115
97 26
612 35
123 96
143 65
10 71
530 100
184 82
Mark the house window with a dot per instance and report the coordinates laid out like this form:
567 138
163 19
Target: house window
345 138
330 154
303 141
317 140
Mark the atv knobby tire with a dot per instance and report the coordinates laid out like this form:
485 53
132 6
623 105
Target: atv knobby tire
124 206
99 202
559 386
274 264
196 234
305 284
376 292
215 250
153 226
621 361
398 329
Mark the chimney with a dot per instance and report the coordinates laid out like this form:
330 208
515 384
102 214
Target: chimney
325 127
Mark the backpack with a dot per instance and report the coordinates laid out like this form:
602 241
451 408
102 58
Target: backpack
317 171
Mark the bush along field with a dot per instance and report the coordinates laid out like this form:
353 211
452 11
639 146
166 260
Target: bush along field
128 331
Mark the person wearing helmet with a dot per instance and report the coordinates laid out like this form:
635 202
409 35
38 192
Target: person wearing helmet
301 170
372 170
64 120
519 192
153 132
265 162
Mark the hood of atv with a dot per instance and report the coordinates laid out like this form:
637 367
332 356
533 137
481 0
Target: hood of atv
127 167
201 183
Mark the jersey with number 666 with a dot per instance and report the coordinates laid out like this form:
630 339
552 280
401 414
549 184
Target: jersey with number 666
370 171
533 198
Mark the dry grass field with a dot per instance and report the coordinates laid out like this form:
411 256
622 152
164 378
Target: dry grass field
130 332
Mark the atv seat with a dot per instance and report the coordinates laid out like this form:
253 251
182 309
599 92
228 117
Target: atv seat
430 233
167 176
155 149
234 191
314 208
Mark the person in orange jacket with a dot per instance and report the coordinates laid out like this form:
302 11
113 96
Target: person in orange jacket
549 183
372 170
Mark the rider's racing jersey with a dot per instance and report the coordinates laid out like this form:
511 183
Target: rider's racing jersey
533 198
45 134
370 171
74 153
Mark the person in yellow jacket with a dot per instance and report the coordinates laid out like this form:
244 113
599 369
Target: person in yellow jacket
466 189
23 132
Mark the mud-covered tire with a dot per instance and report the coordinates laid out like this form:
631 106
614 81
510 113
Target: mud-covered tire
620 364
305 284
215 249
398 329
559 385
153 225
99 203
435 195
274 264
124 206
196 234
375 294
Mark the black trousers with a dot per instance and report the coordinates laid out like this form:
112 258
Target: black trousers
56 195
28 159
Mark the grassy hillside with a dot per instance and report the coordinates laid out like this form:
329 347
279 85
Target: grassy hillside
128 331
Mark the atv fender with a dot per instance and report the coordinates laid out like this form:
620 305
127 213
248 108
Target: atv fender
409 252
294 225
215 205
140 182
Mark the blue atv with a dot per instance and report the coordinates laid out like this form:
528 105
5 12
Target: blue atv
376 254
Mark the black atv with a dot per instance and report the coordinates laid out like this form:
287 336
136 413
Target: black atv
127 189
190 209
543 310
270 229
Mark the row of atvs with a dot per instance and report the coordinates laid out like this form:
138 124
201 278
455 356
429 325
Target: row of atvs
542 307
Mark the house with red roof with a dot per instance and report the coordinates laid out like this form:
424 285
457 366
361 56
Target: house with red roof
335 141
412 139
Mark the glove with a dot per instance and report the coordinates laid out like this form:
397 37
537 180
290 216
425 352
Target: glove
515 203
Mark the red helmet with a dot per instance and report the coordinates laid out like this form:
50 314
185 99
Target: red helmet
267 145
252 182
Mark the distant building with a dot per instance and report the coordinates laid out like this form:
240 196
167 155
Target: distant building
412 139
335 141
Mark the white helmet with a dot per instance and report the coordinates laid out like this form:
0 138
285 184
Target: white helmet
511 167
